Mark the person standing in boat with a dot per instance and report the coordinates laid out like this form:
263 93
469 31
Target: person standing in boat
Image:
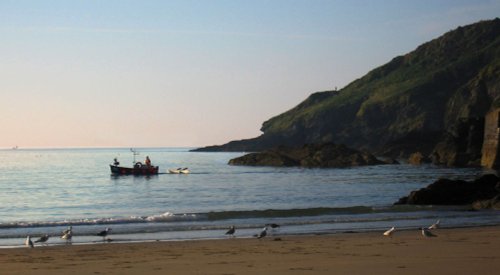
116 163
147 161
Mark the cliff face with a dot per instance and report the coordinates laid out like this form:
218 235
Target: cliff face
490 151
413 103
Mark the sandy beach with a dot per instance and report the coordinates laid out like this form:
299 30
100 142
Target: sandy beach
454 251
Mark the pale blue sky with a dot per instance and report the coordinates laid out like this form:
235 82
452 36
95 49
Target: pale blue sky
192 73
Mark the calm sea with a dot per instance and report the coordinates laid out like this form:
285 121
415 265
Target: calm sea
43 191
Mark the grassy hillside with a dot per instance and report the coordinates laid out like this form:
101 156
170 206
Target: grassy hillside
405 105
418 95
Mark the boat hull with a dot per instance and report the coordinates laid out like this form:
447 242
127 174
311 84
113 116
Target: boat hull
138 171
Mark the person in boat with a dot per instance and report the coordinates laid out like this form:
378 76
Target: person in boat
116 162
147 161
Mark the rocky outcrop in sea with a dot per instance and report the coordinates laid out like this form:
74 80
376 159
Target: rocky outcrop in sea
483 192
327 155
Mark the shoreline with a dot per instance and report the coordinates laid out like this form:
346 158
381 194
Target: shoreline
454 251
207 230
216 234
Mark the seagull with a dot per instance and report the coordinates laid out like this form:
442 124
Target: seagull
67 234
262 233
104 233
389 232
427 233
231 231
28 242
69 230
43 239
434 225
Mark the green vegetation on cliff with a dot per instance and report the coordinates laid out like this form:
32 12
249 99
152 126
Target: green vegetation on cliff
406 105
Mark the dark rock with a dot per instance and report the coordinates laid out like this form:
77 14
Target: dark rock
309 155
454 192
387 160
487 204
267 158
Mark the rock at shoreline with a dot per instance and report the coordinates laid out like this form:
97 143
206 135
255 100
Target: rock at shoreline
487 204
326 155
457 192
267 158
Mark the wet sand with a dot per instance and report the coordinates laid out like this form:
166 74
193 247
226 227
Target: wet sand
454 251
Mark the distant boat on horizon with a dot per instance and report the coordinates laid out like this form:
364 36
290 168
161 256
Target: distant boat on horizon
15 147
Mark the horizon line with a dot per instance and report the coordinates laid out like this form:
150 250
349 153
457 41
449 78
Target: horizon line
16 148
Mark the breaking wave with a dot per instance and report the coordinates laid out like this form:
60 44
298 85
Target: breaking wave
169 217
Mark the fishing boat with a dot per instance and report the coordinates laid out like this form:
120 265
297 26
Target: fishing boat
138 169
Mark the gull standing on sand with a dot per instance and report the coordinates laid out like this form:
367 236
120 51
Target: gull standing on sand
389 232
427 233
69 230
67 234
262 233
434 225
28 242
104 233
231 231
43 239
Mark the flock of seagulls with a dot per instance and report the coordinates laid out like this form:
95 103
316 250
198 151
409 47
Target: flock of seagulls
426 231
66 235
